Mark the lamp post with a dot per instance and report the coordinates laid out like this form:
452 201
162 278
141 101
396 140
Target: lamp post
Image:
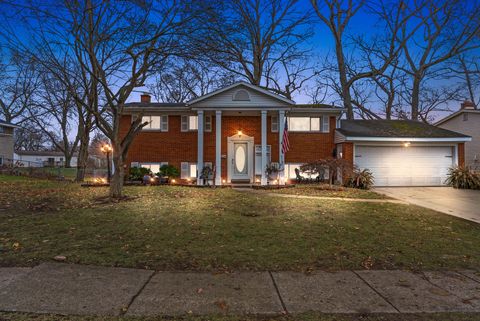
107 149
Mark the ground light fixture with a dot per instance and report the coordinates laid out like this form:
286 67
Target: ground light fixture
173 181
406 144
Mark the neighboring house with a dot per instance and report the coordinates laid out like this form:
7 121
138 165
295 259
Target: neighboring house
43 159
6 141
238 130
466 121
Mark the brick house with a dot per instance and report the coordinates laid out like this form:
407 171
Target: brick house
237 131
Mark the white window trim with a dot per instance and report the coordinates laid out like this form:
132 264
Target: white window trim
310 122
274 124
208 123
161 117
185 123
325 125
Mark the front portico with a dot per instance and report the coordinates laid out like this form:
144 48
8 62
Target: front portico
236 143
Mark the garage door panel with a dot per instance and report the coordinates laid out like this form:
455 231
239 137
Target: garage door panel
406 166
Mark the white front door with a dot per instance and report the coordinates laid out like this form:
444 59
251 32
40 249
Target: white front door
239 161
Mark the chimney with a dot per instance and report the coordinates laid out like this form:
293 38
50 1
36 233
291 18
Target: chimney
145 98
467 104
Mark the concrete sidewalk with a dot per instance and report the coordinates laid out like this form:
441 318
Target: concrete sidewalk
90 290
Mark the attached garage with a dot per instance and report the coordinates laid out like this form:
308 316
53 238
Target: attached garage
399 152
406 166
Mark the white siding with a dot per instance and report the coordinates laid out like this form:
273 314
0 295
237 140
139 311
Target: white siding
225 99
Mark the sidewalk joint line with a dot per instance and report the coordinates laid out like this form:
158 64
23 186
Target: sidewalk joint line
123 312
284 307
423 276
376 291
468 277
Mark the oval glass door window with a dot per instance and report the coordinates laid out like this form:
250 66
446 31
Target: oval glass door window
240 158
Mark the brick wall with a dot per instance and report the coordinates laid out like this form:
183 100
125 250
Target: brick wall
175 146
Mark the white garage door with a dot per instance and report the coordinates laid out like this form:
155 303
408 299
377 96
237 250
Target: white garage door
406 166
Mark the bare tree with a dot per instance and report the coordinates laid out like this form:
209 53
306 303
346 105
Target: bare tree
18 84
133 40
378 52
466 69
447 30
258 40
55 112
186 79
30 137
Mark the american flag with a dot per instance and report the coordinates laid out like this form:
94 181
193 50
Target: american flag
285 142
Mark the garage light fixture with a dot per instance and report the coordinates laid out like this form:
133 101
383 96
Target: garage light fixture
406 144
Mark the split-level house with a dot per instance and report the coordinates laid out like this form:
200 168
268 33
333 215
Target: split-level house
238 131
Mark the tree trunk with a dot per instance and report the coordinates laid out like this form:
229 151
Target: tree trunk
68 159
82 157
342 73
116 182
415 97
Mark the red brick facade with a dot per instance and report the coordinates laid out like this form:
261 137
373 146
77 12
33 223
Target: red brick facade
176 146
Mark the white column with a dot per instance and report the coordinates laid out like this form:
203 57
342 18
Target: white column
200 147
263 181
218 147
281 156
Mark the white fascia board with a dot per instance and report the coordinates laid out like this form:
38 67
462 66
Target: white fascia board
245 108
317 110
154 110
408 139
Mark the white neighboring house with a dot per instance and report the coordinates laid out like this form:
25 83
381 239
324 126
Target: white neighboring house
466 121
43 159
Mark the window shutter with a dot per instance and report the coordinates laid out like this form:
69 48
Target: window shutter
184 126
274 124
325 124
208 123
164 123
184 173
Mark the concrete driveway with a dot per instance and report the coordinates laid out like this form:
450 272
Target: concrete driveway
456 202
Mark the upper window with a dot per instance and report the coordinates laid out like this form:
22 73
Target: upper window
274 124
241 95
156 123
465 116
2 130
308 124
191 123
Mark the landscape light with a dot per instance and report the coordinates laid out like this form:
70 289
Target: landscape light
224 181
406 144
173 181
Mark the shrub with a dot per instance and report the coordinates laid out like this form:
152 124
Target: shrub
362 179
168 171
463 177
330 165
137 173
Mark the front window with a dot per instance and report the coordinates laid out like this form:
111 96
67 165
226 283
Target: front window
193 122
309 124
193 170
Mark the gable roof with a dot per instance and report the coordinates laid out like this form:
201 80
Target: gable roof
4 123
238 84
405 129
457 113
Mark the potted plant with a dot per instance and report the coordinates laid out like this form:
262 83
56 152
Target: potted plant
206 174
167 172
271 171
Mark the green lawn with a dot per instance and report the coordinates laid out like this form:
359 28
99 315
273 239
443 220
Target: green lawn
328 191
302 317
167 227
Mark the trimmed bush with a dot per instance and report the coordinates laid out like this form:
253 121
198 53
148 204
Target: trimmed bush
168 171
463 177
360 179
137 173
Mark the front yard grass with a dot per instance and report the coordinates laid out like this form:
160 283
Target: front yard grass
325 190
168 227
